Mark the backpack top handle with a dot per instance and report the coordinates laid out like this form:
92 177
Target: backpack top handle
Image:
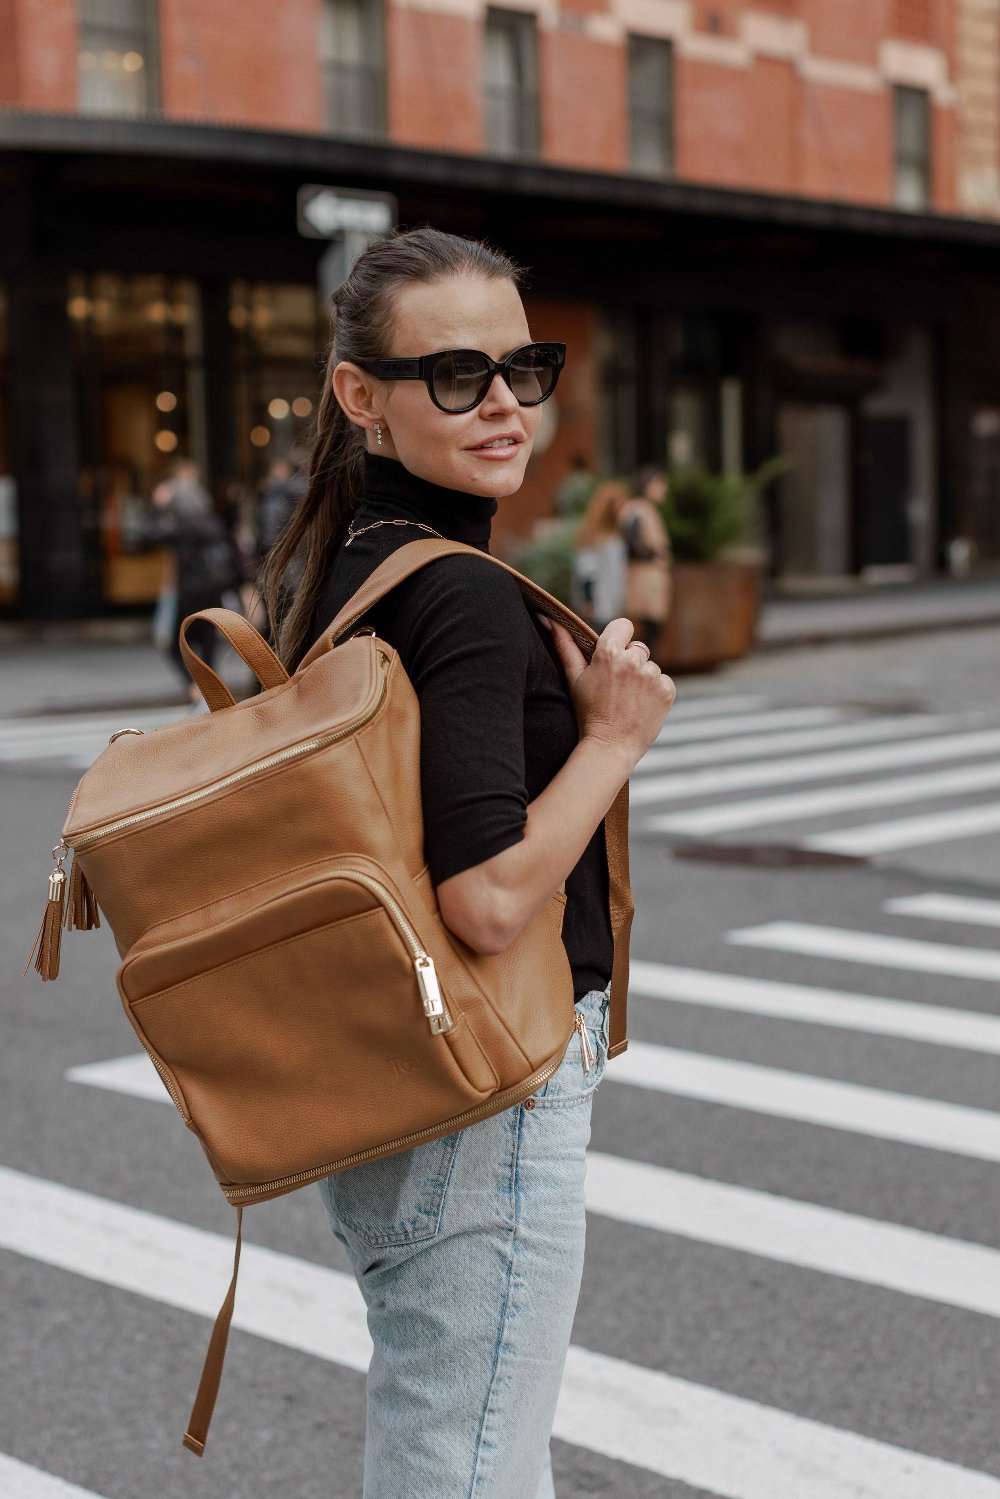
248 644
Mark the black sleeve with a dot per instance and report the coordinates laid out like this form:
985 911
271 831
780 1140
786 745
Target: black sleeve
460 628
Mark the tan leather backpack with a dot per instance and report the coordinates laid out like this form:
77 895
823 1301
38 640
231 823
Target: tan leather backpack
284 962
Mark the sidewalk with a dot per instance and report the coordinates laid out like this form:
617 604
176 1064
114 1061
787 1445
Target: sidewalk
889 610
98 676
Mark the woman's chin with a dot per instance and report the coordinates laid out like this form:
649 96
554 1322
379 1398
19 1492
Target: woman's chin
492 477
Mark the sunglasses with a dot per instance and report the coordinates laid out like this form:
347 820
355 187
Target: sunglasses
458 379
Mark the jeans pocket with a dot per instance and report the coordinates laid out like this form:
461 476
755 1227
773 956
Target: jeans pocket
393 1199
574 1081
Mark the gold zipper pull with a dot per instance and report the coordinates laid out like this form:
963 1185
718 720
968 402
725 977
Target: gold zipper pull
48 938
586 1050
430 990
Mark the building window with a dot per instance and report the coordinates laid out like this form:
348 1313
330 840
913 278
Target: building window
511 83
651 104
352 57
117 61
913 147
277 328
137 351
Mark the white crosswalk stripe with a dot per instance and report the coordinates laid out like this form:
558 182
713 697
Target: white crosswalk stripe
938 906
736 1448
910 832
850 946
20 1481
779 999
811 1100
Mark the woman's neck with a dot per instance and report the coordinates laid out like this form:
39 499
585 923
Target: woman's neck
392 491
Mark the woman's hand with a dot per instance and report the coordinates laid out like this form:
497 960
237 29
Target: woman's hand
621 697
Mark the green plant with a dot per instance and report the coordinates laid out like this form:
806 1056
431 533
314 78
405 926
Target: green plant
547 559
705 513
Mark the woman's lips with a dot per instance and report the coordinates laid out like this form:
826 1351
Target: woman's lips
507 450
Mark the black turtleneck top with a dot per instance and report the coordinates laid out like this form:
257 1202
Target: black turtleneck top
497 719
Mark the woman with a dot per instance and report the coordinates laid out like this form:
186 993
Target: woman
600 557
648 586
468 1249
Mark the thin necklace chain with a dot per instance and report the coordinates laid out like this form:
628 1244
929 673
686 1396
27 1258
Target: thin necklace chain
351 533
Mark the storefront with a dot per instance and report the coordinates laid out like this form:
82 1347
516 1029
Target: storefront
142 399
157 301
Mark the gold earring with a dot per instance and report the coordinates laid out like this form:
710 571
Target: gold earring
378 433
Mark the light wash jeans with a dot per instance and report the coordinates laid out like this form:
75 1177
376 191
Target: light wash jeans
469 1253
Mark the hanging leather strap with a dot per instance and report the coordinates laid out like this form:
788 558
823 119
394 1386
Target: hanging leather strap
248 644
408 559
208 1387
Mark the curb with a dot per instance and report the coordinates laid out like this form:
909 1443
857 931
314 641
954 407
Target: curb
883 631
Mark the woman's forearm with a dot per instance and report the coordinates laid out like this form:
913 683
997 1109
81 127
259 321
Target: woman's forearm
506 891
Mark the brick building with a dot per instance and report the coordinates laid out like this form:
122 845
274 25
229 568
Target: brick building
759 225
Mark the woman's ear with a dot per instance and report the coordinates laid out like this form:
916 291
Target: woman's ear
357 393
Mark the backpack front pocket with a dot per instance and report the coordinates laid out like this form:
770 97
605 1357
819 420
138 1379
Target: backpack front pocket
302 1022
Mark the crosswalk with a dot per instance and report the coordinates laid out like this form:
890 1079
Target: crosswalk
738 764
830 783
649 1415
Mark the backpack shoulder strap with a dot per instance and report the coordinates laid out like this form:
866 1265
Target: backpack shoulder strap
410 558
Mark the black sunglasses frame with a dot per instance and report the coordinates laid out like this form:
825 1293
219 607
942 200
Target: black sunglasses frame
422 368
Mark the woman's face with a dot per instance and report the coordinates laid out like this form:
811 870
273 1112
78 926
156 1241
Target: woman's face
454 312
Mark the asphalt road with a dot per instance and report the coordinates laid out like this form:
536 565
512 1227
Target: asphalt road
793 1268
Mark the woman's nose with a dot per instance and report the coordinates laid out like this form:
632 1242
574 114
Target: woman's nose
500 394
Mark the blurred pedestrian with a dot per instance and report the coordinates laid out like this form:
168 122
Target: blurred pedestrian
205 565
600 557
649 582
280 494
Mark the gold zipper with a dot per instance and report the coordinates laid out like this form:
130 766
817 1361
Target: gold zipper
510 1096
304 747
166 1082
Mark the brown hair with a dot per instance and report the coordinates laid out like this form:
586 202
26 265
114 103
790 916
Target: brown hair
361 320
600 518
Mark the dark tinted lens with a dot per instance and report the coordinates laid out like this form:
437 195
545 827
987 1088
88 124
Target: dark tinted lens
533 374
458 379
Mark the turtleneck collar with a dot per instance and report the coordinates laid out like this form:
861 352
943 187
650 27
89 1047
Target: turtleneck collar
392 490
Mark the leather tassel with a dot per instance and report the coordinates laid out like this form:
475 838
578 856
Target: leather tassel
49 935
81 913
